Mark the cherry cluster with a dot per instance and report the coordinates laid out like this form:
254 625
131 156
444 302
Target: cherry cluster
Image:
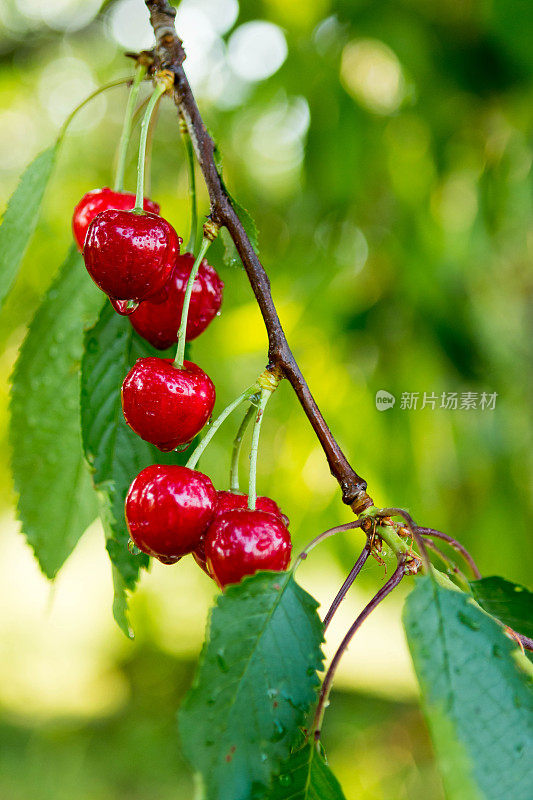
133 255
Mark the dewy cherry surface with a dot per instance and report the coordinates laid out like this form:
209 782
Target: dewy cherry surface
130 256
99 200
168 509
241 542
165 405
158 318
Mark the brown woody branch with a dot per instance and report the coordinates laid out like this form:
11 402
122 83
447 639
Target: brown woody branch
169 54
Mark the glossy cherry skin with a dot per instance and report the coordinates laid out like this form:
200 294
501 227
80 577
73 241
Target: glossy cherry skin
130 256
158 318
241 542
168 509
99 200
227 501
165 405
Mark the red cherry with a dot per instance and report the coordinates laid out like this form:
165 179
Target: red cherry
168 509
130 256
230 500
165 405
99 200
240 542
227 501
199 556
158 318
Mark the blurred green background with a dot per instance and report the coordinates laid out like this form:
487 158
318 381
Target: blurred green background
384 149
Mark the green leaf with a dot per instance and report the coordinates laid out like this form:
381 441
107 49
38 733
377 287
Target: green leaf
255 684
477 698
115 453
509 602
21 215
56 500
306 776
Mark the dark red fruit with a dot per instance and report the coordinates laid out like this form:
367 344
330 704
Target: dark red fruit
199 556
227 501
158 318
168 509
99 200
240 542
165 405
130 256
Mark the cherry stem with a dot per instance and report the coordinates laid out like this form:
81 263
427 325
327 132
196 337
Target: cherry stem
159 90
191 244
254 449
456 546
352 575
348 526
104 88
386 589
213 428
125 136
149 149
182 332
237 444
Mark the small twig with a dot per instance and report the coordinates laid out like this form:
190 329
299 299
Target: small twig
456 546
393 511
349 526
386 589
352 575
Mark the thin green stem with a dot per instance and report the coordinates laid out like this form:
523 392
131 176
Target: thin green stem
139 199
191 244
110 85
213 428
149 149
182 332
252 485
237 444
140 72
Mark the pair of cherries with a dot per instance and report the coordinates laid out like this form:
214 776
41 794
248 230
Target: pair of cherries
135 259
172 511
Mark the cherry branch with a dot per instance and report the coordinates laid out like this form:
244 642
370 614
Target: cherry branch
170 55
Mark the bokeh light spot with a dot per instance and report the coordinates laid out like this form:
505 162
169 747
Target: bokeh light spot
256 50
372 74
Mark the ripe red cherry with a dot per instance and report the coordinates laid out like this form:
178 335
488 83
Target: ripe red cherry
227 501
158 318
99 200
168 509
130 256
240 542
230 500
165 405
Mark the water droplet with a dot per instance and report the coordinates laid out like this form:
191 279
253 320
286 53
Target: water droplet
221 661
124 307
471 623
285 780
279 731
518 589
271 693
92 346
498 651
132 547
